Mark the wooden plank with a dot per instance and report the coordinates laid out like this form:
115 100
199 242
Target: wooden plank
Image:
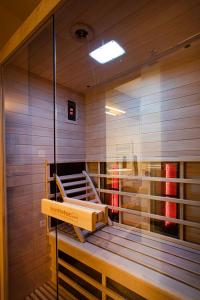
74 176
52 288
147 178
65 294
34 297
183 245
46 293
92 186
156 217
76 286
148 197
60 186
73 191
154 243
40 295
93 201
80 274
145 249
80 182
113 295
178 274
85 196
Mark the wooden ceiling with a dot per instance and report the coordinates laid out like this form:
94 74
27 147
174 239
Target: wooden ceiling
142 28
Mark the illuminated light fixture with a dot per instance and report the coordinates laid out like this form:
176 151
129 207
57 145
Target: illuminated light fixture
115 109
110 113
120 170
107 52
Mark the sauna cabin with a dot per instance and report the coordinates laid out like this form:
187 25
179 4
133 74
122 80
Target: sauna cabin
102 153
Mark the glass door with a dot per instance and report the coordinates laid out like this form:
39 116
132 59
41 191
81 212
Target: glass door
29 108
102 107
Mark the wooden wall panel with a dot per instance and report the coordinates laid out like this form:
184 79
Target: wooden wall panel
161 123
29 141
162 108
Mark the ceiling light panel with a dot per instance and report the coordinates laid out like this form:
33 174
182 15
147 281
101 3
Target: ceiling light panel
107 52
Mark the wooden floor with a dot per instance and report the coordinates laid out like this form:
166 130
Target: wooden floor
174 261
49 292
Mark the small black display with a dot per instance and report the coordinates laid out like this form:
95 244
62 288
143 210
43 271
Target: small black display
71 110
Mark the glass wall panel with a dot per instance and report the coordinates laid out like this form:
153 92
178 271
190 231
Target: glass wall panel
29 132
131 122
102 107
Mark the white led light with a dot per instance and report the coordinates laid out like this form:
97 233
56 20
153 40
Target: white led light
110 113
115 109
107 52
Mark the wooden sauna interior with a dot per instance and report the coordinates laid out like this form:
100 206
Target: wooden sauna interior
155 86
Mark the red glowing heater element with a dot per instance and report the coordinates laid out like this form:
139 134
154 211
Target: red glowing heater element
115 186
171 191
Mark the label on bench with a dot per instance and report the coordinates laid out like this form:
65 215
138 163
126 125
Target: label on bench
70 213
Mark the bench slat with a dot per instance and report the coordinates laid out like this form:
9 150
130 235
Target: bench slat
161 244
79 182
146 250
67 177
73 191
84 196
149 262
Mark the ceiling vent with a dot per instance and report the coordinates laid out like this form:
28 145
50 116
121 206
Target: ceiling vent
82 32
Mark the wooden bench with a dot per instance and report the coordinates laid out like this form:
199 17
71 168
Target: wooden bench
128 265
119 262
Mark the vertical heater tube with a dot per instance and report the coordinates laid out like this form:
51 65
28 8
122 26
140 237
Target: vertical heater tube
171 191
115 186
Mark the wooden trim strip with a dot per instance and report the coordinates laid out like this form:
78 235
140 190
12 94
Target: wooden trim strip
76 286
147 178
113 295
67 177
66 184
151 197
73 191
84 196
73 176
80 274
156 217
4 293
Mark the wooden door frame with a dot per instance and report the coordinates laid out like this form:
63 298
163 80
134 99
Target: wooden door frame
3 214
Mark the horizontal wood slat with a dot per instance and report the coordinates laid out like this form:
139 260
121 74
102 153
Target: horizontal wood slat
153 242
73 191
80 182
146 178
76 286
154 216
152 197
154 264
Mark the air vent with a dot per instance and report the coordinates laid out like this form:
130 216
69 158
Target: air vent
82 32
